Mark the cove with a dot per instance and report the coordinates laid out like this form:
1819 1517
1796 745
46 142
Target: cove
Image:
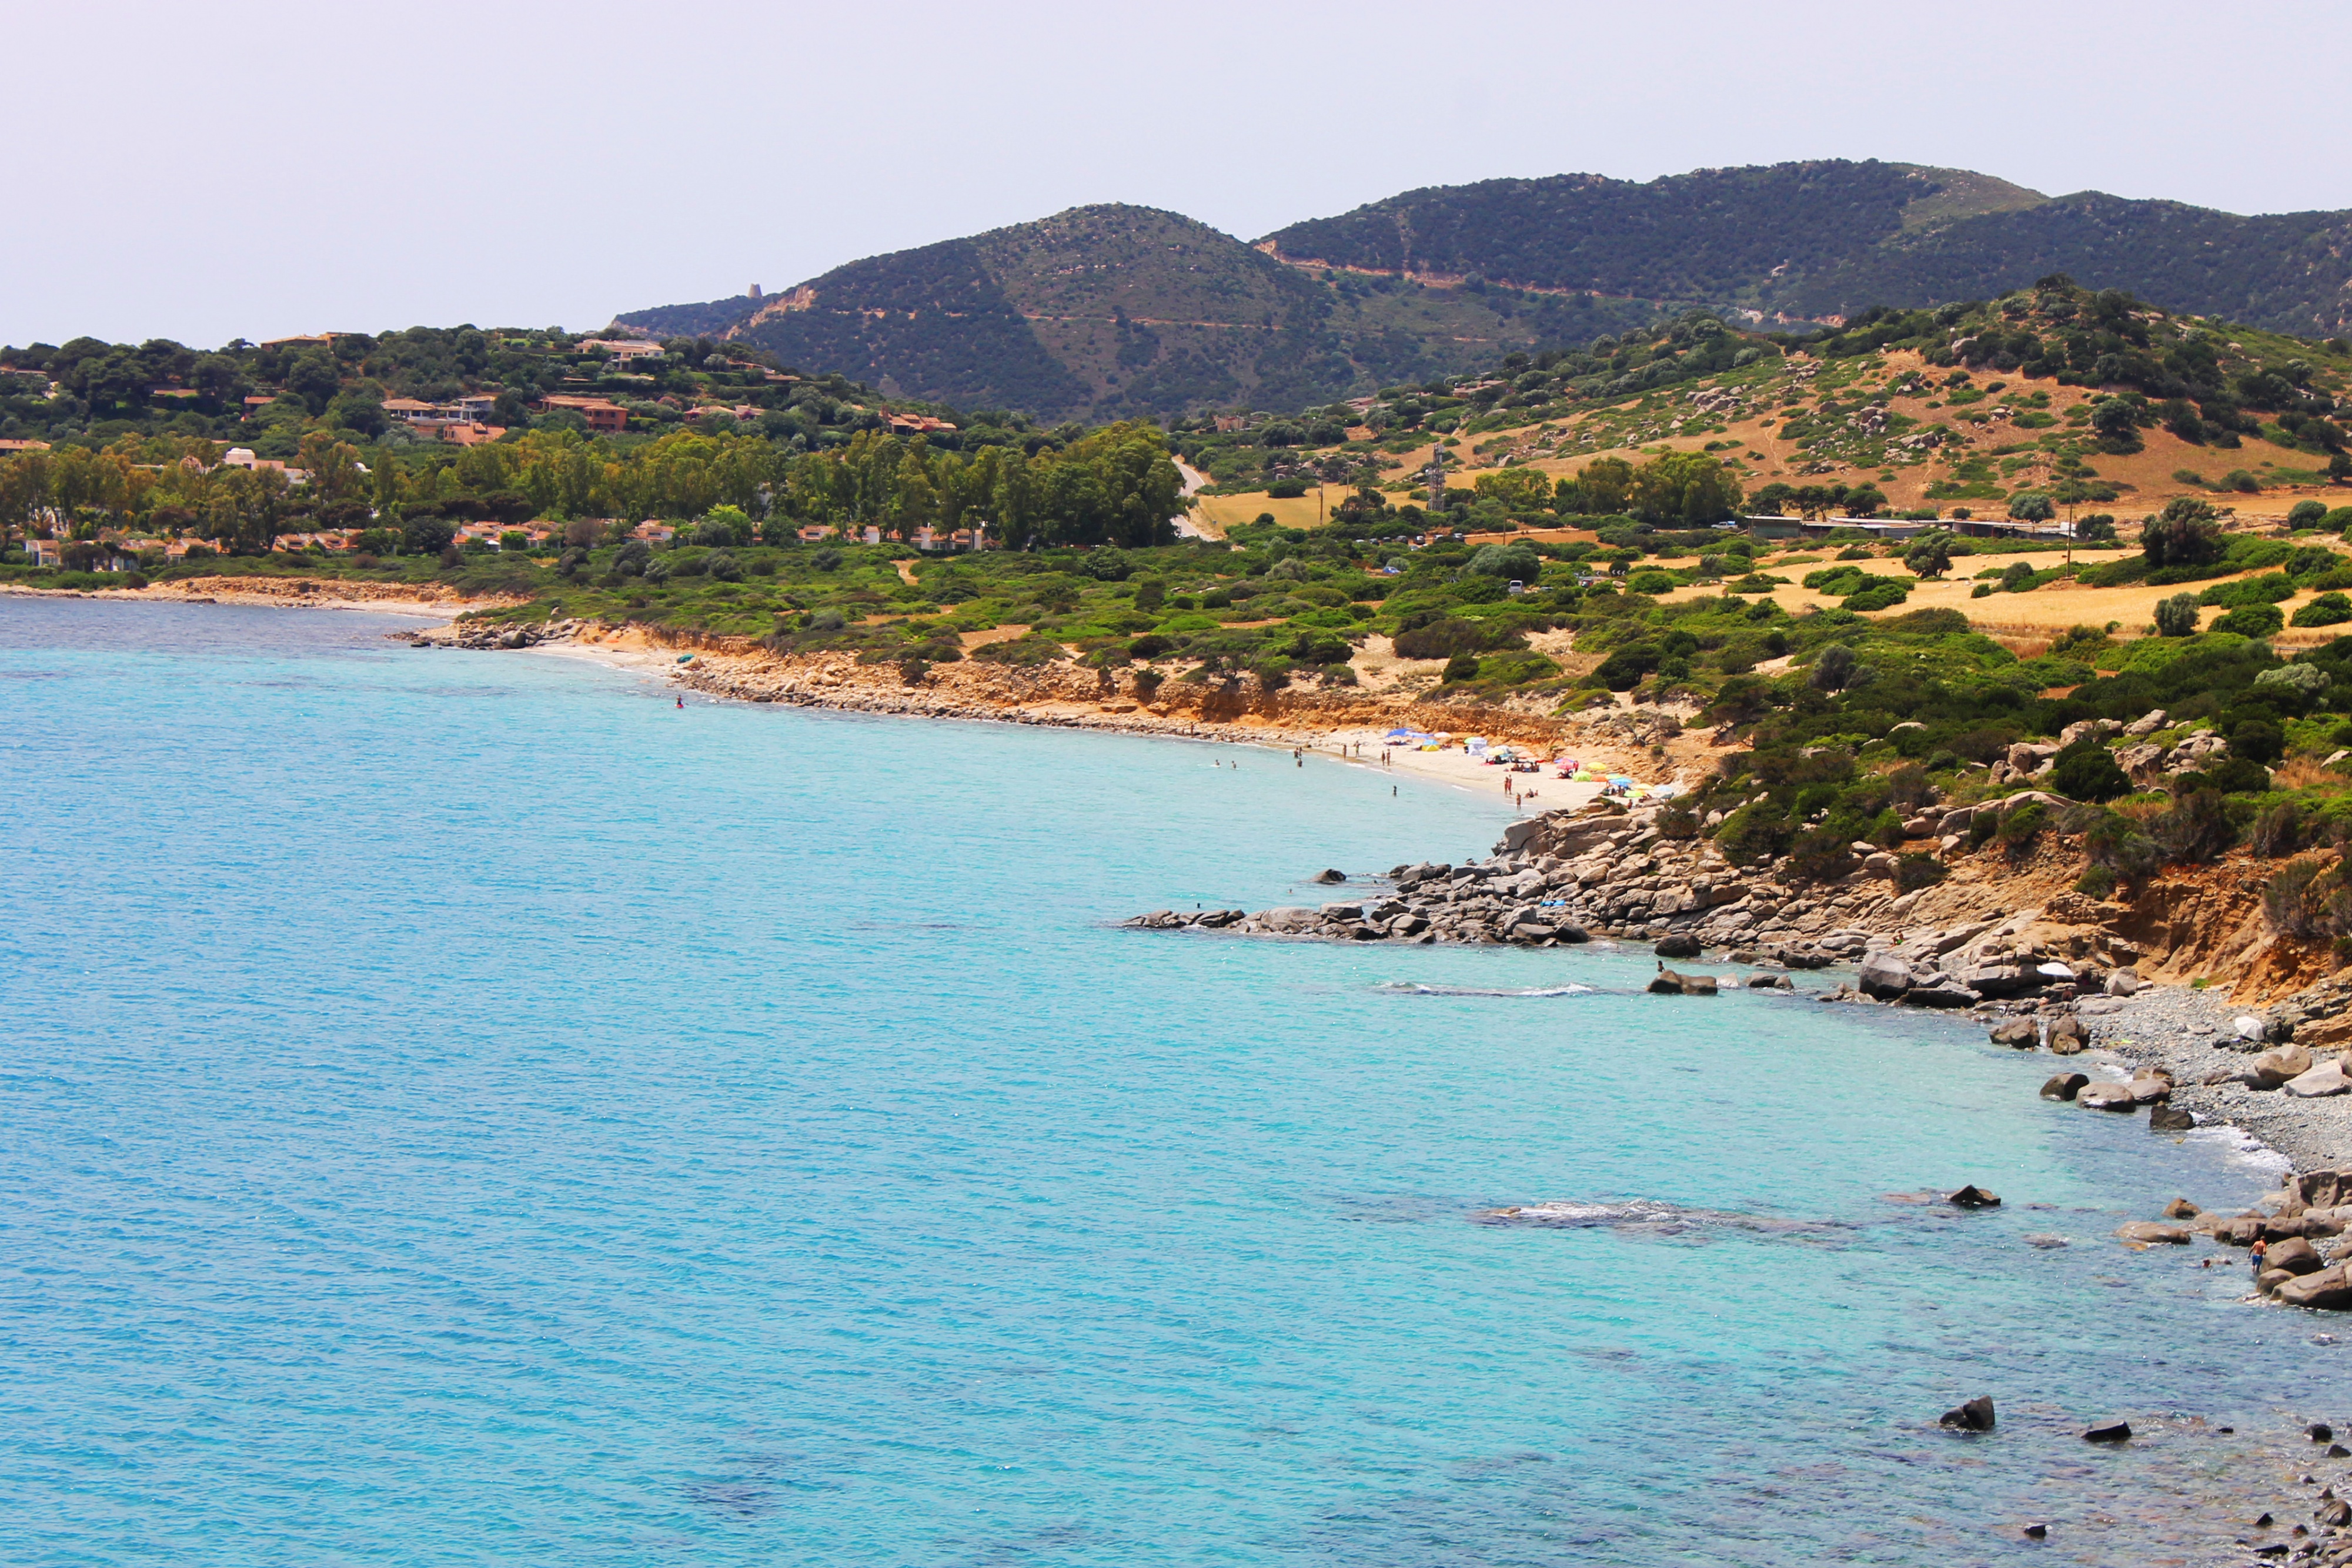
462 1109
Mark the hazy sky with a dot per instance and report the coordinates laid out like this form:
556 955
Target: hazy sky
258 169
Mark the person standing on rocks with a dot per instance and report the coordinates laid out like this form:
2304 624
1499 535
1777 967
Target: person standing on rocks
2259 1250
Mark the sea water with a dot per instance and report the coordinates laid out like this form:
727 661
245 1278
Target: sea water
463 1108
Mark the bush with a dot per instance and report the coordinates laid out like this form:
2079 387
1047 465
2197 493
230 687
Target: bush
1878 596
2087 771
1460 668
2257 740
2327 609
2019 826
2252 620
826 561
2277 832
1914 872
723 566
2097 882
1820 855
1449 635
2177 616
2195 829
2305 513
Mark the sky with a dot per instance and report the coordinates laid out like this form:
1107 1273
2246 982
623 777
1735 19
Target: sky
255 169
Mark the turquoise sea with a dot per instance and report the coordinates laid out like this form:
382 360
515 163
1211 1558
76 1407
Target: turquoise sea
464 1109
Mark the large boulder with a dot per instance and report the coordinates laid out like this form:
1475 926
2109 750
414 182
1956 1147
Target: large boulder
1290 918
2064 1086
2107 1097
1885 976
1328 877
2324 1080
2321 1189
2000 980
2295 1255
2122 983
2149 1231
2022 1034
1678 945
2325 1288
1667 983
1941 992
2274 1067
2068 1037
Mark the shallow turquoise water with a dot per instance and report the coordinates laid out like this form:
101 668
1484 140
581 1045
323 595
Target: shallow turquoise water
461 1109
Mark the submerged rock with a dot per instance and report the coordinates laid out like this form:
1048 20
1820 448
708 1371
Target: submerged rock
2116 1433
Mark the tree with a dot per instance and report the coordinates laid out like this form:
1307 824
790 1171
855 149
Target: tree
1865 501
2177 616
2187 532
1930 555
1523 492
1686 488
2117 422
2031 506
1602 486
426 536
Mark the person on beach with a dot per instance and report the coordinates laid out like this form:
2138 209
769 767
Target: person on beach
2260 1251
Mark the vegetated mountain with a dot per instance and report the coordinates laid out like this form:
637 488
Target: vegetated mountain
1108 311
1830 238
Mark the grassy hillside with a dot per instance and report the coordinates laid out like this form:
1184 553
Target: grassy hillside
2091 399
1832 238
1113 311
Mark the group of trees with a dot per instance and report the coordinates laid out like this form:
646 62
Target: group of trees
1114 486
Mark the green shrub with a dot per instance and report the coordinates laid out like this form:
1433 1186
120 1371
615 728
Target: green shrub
1820 855
1459 669
2327 609
2177 616
1914 872
2021 825
2097 882
2252 620
2087 771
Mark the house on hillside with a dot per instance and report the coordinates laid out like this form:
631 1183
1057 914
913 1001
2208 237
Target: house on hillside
604 416
624 350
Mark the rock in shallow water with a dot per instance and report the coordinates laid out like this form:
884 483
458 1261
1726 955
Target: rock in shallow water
1974 1196
2152 1231
1976 1415
2115 1432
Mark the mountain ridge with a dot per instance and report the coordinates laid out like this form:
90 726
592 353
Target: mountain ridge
1113 311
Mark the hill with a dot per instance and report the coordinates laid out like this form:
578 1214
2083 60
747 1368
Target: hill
2090 399
1108 311
1822 239
1114 311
